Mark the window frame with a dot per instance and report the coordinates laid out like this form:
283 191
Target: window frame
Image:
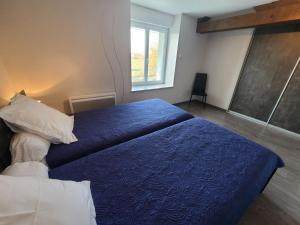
150 27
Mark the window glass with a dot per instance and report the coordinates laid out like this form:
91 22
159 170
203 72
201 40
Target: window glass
156 55
138 36
148 54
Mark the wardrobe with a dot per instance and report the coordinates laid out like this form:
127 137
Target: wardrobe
269 85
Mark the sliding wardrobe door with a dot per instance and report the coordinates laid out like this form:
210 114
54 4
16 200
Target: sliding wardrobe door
287 114
270 60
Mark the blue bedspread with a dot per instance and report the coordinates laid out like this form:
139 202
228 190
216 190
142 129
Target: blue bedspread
194 172
100 129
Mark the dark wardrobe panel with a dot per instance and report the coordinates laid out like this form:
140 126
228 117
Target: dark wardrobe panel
272 56
287 115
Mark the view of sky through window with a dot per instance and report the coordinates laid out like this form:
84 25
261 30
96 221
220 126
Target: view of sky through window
147 55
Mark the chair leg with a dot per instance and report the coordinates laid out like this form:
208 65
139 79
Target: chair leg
191 99
205 100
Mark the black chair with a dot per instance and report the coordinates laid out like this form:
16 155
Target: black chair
199 87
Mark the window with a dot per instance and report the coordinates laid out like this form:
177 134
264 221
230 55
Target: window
148 54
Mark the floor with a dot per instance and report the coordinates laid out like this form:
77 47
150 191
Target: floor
280 202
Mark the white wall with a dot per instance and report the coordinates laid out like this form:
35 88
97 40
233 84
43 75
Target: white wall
224 57
60 48
171 62
191 53
220 54
142 14
6 90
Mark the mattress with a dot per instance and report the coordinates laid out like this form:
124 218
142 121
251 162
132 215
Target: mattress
194 172
100 129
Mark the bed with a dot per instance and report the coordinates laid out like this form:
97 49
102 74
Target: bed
194 172
5 138
100 129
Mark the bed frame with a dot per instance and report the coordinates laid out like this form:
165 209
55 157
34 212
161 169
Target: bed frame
5 138
270 178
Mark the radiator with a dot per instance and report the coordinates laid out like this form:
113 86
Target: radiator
89 102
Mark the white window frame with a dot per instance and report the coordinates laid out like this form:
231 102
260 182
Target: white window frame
147 27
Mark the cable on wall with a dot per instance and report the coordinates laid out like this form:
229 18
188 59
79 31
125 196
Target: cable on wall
106 55
115 52
118 60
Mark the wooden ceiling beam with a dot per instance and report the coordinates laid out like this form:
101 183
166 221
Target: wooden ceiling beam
273 5
265 7
281 12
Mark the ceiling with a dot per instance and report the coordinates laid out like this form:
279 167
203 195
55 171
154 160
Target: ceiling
200 8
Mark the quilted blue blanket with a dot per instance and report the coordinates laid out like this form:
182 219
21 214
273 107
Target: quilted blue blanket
194 172
100 129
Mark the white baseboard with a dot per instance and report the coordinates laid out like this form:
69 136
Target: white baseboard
248 118
281 130
278 129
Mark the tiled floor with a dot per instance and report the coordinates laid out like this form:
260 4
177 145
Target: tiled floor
280 202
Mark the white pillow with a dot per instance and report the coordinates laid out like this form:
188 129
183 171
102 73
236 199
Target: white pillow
27 169
26 147
26 114
32 201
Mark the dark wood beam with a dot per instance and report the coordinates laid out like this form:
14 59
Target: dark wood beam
275 4
266 7
281 12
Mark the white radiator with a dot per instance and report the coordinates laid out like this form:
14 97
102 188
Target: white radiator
89 102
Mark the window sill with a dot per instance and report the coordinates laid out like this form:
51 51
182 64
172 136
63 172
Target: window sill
150 87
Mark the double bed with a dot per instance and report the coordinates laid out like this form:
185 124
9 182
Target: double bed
194 172
100 129
152 163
